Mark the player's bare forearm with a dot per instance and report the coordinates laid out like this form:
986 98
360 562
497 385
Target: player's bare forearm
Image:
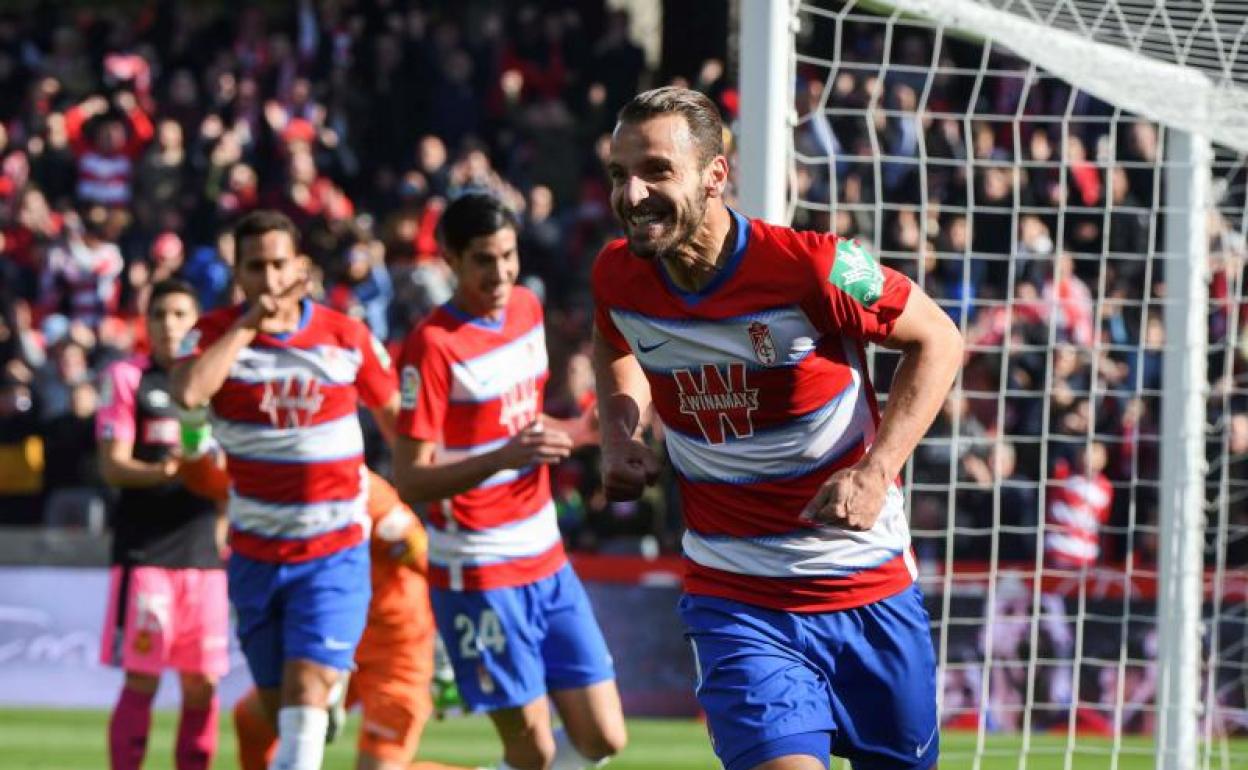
197 380
582 430
931 355
386 416
628 466
623 393
119 468
420 479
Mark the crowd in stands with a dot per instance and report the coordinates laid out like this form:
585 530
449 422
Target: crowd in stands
1017 201
131 139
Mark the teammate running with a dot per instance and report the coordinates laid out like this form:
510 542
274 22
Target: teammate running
800 598
474 443
167 606
283 378
394 662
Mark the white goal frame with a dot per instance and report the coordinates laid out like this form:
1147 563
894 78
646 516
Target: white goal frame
1205 109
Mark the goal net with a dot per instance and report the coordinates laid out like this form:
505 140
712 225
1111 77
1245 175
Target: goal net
1035 191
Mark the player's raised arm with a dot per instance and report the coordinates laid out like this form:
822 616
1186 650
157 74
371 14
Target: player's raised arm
273 277
628 466
196 378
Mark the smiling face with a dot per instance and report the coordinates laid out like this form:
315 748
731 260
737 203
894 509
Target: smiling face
659 186
485 270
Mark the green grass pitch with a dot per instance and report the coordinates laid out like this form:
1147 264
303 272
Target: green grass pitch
75 740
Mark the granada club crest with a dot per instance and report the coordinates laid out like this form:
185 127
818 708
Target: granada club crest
484 680
764 345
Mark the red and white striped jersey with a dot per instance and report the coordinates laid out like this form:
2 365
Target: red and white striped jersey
761 383
287 420
107 178
469 385
87 276
1078 506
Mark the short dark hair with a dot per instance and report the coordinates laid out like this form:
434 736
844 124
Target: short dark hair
263 221
473 215
699 112
171 286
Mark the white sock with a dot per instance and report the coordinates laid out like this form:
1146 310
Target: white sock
300 738
568 758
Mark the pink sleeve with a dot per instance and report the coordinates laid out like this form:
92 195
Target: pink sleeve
115 419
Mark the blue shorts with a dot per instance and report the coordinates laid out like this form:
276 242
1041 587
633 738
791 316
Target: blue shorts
312 610
858 683
510 646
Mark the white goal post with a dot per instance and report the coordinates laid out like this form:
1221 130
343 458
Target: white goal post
1181 67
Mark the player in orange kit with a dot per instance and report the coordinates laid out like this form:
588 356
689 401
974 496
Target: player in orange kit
394 661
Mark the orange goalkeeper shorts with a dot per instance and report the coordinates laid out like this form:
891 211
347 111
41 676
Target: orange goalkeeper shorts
394 670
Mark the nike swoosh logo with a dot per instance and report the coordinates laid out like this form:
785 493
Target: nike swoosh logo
650 348
919 751
334 644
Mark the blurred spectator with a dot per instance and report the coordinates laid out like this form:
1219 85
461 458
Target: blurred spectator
1079 503
55 381
21 455
361 286
72 477
107 139
160 178
80 277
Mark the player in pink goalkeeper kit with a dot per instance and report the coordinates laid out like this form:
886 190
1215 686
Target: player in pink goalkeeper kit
749 341
167 605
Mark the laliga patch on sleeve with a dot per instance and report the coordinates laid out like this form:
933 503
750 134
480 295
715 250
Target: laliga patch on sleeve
857 273
380 351
409 387
188 344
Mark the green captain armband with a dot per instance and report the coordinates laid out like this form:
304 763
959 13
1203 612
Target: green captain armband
195 431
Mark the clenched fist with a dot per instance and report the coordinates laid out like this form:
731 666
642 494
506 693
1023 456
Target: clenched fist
628 467
852 498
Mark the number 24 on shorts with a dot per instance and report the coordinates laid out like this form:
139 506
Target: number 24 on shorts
486 633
